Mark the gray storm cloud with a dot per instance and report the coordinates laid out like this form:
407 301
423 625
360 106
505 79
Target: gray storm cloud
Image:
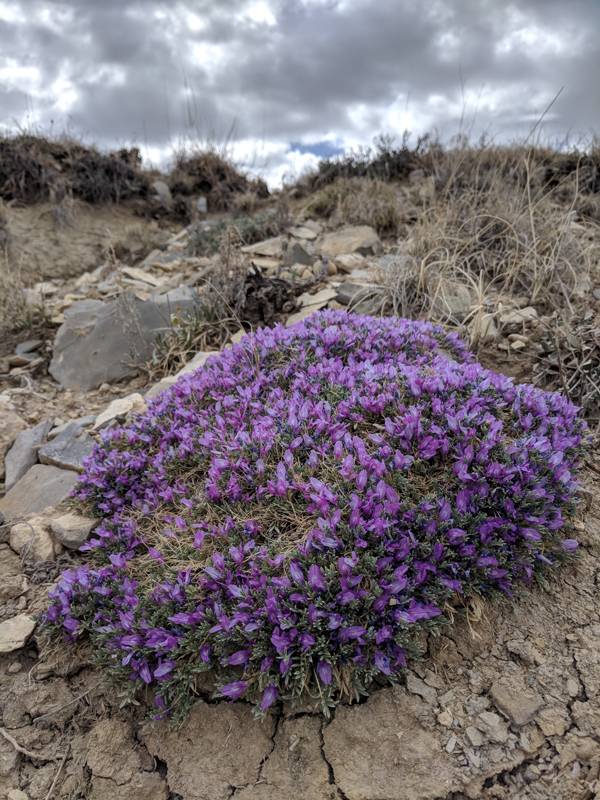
270 74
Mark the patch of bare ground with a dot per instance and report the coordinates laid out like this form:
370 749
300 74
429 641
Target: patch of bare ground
44 246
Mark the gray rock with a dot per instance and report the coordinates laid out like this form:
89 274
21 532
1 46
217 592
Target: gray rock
28 347
515 320
269 247
32 539
24 452
67 452
15 632
452 300
347 292
13 587
474 736
72 529
79 424
303 232
23 360
354 239
40 487
296 254
417 686
363 299
160 387
164 193
493 726
100 342
120 407
516 700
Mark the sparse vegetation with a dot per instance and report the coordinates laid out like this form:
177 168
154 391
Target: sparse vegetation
231 298
500 238
358 201
35 168
205 240
212 174
385 161
570 362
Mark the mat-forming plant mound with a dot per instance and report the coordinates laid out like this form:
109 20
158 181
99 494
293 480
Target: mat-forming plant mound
290 515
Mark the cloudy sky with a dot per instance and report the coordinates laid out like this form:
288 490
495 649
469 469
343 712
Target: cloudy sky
286 81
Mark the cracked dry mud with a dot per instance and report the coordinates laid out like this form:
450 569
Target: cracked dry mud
505 704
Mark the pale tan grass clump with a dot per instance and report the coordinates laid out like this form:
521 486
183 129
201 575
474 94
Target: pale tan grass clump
359 201
494 227
15 313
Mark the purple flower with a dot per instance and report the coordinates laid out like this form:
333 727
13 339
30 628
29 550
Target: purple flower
324 672
269 696
238 658
316 579
164 668
296 572
570 544
234 690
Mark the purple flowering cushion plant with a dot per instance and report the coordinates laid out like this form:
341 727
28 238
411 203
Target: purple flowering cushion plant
291 514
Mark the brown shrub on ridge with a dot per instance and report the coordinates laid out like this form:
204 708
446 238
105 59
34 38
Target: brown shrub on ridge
33 169
212 175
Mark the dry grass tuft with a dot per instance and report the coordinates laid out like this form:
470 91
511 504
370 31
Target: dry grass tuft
16 314
495 230
358 201
570 362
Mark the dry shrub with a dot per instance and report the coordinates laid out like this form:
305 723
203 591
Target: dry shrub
232 297
213 175
570 362
35 168
500 232
385 161
205 237
358 201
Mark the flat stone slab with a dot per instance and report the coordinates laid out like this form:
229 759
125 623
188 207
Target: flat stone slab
24 452
270 247
354 239
102 342
67 453
41 486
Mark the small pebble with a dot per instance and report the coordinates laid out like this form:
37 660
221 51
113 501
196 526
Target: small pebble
474 736
445 719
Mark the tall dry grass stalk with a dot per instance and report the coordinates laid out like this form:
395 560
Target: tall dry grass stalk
495 225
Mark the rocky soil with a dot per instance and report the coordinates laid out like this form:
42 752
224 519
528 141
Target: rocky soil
504 704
